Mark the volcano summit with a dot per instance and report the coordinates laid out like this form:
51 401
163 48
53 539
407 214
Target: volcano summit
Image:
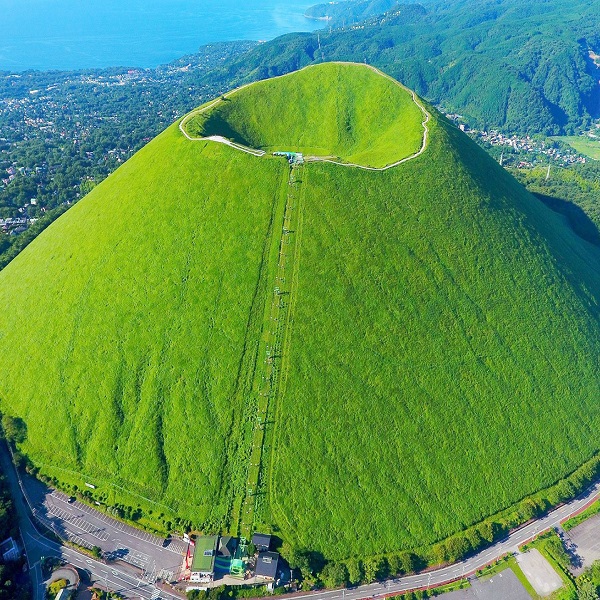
363 360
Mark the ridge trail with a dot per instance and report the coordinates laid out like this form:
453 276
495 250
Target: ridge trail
259 153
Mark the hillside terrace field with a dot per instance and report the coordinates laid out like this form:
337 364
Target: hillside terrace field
434 350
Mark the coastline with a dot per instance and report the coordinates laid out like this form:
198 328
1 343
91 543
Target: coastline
311 18
110 36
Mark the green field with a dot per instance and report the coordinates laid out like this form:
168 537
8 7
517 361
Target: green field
362 362
582 144
131 326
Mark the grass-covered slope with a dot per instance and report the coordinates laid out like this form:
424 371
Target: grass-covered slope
322 112
429 335
443 356
125 324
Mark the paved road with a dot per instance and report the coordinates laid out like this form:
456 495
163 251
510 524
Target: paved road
466 567
131 582
137 584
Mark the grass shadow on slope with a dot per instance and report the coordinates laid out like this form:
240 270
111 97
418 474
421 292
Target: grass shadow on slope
576 217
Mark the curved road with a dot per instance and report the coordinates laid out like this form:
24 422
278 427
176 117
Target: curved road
131 586
116 577
255 152
467 567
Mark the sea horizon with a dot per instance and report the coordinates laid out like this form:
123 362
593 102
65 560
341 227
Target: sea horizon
60 35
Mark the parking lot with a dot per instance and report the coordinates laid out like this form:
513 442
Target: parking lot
155 557
585 541
501 586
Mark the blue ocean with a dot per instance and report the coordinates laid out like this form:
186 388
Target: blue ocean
75 34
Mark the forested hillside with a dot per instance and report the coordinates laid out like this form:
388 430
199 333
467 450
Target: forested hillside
513 64
346 13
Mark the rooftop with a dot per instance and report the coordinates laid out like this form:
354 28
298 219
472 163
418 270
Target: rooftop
227 546
204 554
266 565
261 540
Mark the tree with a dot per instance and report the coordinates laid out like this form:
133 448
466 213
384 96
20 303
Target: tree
15 429
486 530
355 570
410 562
299 559
474 538
587 591
395 564
528 509
440 553
457 547
334 574
309 562
374 568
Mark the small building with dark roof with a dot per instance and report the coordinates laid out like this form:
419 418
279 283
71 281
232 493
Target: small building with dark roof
227 546
266 565
262 541
9 550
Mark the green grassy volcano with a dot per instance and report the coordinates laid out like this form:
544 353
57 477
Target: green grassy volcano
365 361
321 112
